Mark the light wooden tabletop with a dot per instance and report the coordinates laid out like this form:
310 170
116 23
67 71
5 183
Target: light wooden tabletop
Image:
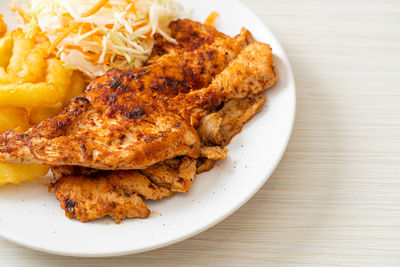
335 197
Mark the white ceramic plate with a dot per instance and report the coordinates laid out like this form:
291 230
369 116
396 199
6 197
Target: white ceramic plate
31 216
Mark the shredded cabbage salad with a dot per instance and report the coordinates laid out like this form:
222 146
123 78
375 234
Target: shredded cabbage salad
96 35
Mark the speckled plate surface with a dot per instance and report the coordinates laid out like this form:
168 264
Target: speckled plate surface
30 215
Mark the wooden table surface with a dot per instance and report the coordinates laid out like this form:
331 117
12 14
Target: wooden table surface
335 197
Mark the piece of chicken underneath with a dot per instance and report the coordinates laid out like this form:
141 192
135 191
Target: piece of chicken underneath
117 194
121 190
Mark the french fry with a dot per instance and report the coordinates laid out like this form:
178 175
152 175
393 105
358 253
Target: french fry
34 65
6 47
29 95
60 77
11 118
17 173
21 50
77 86
32 89
40 114
3 26
5 78
30 84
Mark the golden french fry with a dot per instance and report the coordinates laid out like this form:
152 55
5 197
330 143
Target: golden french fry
3 26
29 95
17 173
6 78
78 85
11 118
6 47
60 77
21 50
42 113
34 65
30 84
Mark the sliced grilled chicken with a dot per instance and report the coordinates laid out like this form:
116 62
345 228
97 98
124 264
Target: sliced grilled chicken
136 118
117 194
220 127
146 119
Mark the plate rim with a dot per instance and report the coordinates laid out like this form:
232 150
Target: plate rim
231 211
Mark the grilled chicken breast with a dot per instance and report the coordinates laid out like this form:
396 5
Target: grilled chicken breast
145 132
88 194
217 129
117 194
76 186
220 127
132 120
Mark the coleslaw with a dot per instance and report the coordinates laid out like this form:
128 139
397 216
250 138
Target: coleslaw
96 35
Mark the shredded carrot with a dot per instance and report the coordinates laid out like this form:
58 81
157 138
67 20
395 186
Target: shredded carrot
72 47
19 11
91 56
95 8
113 65
107 57
66 18
133 9
97 39
62 37
86 27
88 55
211 18
139 26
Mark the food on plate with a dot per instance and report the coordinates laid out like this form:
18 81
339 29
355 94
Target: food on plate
17 173
94 36
167 96
13 118
3 26
117 194
33 87
210 20
175 174
132 119
6 46
220 127
144 133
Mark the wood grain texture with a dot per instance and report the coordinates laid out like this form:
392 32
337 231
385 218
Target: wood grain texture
335 198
